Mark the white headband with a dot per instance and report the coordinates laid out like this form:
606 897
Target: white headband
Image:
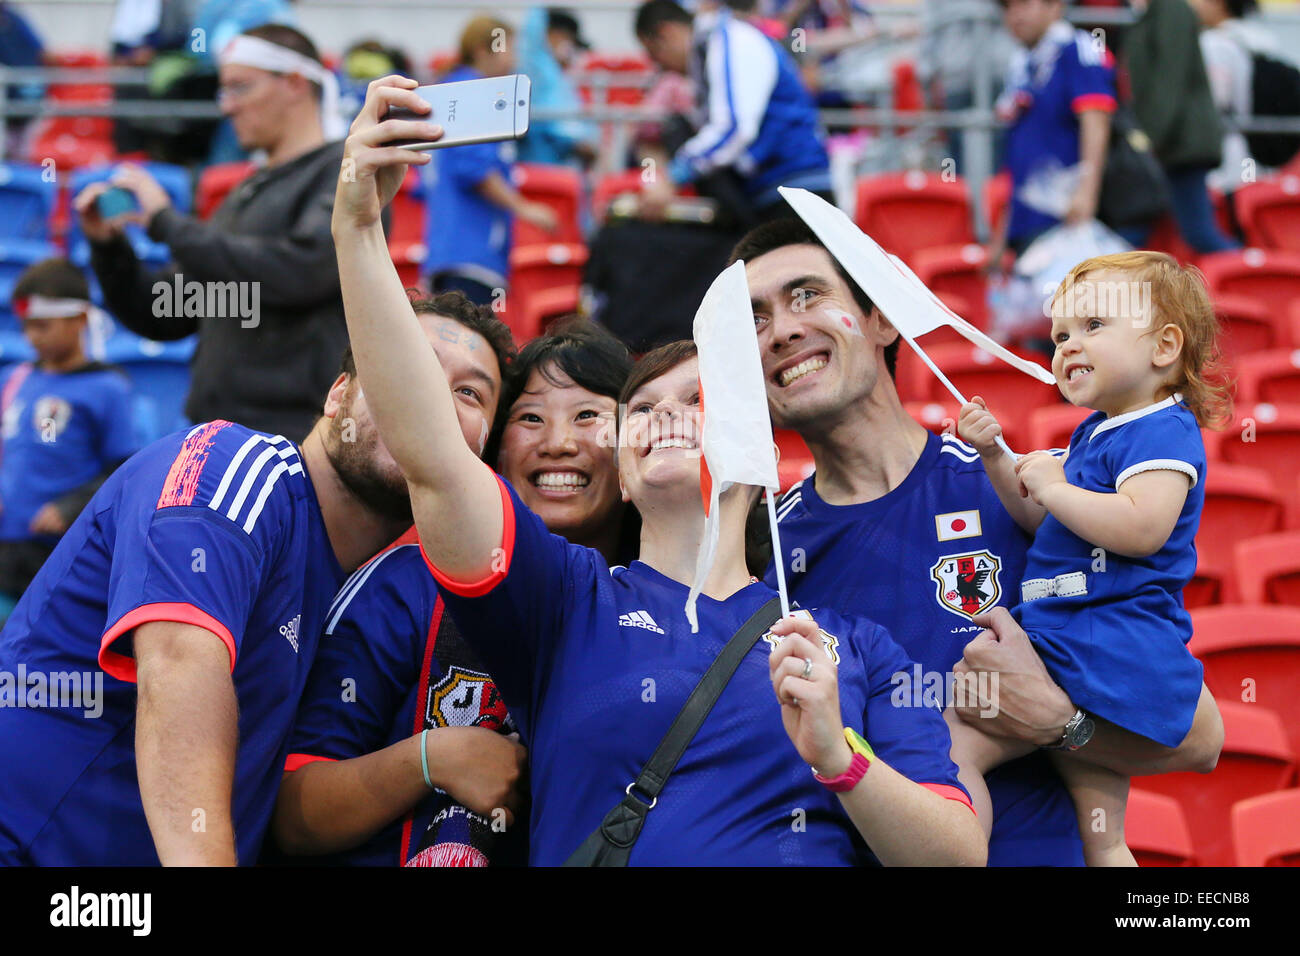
264 55
48 307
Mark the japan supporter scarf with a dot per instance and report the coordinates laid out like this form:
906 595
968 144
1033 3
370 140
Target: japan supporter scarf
455 691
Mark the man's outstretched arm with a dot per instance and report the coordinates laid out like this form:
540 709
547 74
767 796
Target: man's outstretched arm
456 499
1032 707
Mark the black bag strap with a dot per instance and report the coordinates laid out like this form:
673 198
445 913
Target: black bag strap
610 844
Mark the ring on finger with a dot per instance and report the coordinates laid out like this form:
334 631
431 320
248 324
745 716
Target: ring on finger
807 668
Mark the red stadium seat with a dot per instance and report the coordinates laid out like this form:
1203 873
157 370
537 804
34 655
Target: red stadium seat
560 188
1251 653
1264 436
997 196
1156 831
1165 237
1269 211
635 67
1052 425
406 231
908 212
796 461
408 212
1239 503
1266 829
533 270
79 92
1011 395
937 417
1271 376
957 270
1270 277
74 141
612 185
216 182
1268 569
1256 759
1246 326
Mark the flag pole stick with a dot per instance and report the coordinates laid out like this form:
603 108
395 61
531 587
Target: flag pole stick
953 388
777 559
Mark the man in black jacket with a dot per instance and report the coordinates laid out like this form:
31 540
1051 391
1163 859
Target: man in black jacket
258 281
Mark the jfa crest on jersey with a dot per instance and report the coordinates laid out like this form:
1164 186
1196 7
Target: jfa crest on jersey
829 641
968 584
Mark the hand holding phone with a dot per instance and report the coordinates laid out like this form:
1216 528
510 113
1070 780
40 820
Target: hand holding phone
485 110
116 202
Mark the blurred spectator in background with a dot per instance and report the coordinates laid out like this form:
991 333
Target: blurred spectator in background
364 61
1225 48
1172 100
19 46
961 41
550 43
270 321
755 126
1058 99
471 198
222 20
142 28
66 424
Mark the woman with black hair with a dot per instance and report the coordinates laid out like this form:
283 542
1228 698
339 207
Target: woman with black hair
556 442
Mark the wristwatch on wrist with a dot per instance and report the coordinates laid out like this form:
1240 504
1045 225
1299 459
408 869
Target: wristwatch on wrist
862 757
1078 731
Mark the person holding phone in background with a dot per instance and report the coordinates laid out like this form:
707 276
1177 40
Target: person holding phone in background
470 197
270 237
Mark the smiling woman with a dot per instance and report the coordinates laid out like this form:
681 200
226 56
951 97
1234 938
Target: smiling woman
556 445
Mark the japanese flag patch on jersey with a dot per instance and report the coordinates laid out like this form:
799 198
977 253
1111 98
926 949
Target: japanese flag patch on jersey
958 524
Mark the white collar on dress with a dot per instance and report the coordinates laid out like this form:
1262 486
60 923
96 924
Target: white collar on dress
1127 417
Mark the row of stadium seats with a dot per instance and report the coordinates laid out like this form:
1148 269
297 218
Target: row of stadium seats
1264 830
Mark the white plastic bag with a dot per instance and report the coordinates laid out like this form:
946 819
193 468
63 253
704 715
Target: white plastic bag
1020 304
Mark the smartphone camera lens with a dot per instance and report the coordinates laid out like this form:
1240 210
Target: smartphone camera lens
521 102
501 104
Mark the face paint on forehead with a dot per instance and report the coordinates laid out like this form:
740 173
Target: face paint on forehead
843 319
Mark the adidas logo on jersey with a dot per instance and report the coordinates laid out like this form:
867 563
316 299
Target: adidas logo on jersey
640 619
290 631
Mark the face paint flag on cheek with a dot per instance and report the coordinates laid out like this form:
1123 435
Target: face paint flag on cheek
843 319
735 430
902 298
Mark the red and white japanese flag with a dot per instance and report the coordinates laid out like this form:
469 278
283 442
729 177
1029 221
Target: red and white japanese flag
902 298
735 431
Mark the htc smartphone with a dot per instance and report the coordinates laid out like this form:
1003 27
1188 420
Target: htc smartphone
472 111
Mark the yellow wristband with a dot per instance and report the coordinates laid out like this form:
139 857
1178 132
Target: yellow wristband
858 745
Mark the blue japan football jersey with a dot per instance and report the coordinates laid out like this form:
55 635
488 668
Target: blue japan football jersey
60 430
596 663
217 527
392 664
1117 642
920 561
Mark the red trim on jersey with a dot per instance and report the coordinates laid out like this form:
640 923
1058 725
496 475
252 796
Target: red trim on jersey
950 793
1094 101
122 666
484 585
294 761
421 703
183 479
